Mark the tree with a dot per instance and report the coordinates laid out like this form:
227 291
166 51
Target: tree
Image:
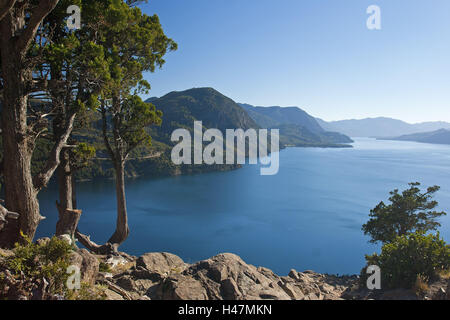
134 43
409 211
19 25
78 72
411 255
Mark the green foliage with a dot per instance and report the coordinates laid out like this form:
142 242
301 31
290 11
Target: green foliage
133 43
87 293
411 256
48 260
136 117
408 211
104 267
82 154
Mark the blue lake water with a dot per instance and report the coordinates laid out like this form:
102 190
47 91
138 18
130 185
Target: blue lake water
309 216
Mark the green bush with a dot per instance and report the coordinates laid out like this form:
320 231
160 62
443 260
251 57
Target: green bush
48 260
410 256
104 267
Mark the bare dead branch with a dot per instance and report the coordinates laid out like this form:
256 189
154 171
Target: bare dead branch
37 15
43 177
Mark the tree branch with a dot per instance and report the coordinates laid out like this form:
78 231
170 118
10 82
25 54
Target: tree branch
91 245
37 15
42 178
105 134
5 6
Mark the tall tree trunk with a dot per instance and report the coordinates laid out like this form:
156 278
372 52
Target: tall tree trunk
18 28
68 216
122 230
20 194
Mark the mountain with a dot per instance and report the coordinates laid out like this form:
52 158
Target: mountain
380 127
181 109
441 136
270 117
297 127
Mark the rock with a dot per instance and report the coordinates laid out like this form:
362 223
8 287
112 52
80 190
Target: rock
312 296
66 238
448 290
225 277
309 272
142 273
161 263
163 276
104 275
294 275
127 283
42 241
112 295
292 290
179 287
230 290
88 265
326 288
115 261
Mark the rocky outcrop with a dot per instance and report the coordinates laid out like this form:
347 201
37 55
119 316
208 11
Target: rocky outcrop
163 276
88 265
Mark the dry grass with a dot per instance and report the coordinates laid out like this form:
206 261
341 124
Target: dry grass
121 268
444 274
6 253
421 285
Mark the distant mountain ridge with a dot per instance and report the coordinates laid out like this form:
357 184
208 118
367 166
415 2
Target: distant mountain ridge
275 116
380 127
181 108
441 136
215 110
297 127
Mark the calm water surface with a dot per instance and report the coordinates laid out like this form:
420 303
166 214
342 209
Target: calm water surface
309 216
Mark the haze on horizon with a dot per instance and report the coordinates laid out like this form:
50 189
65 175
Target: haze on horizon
317 55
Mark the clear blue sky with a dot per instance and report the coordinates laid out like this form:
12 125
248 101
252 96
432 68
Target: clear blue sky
315 54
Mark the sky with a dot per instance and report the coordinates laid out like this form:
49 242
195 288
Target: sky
318 55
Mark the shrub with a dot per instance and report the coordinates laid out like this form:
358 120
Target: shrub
48 260
421 285
87 292
104 267
411 255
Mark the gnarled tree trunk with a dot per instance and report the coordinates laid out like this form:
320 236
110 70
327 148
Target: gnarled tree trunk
19 22
68 215
20 194
122 229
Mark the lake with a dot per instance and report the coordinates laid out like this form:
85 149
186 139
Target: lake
309 216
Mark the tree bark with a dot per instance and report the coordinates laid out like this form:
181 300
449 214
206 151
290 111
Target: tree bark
68 215
122 229
68 222
17 31
20 194
5 6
